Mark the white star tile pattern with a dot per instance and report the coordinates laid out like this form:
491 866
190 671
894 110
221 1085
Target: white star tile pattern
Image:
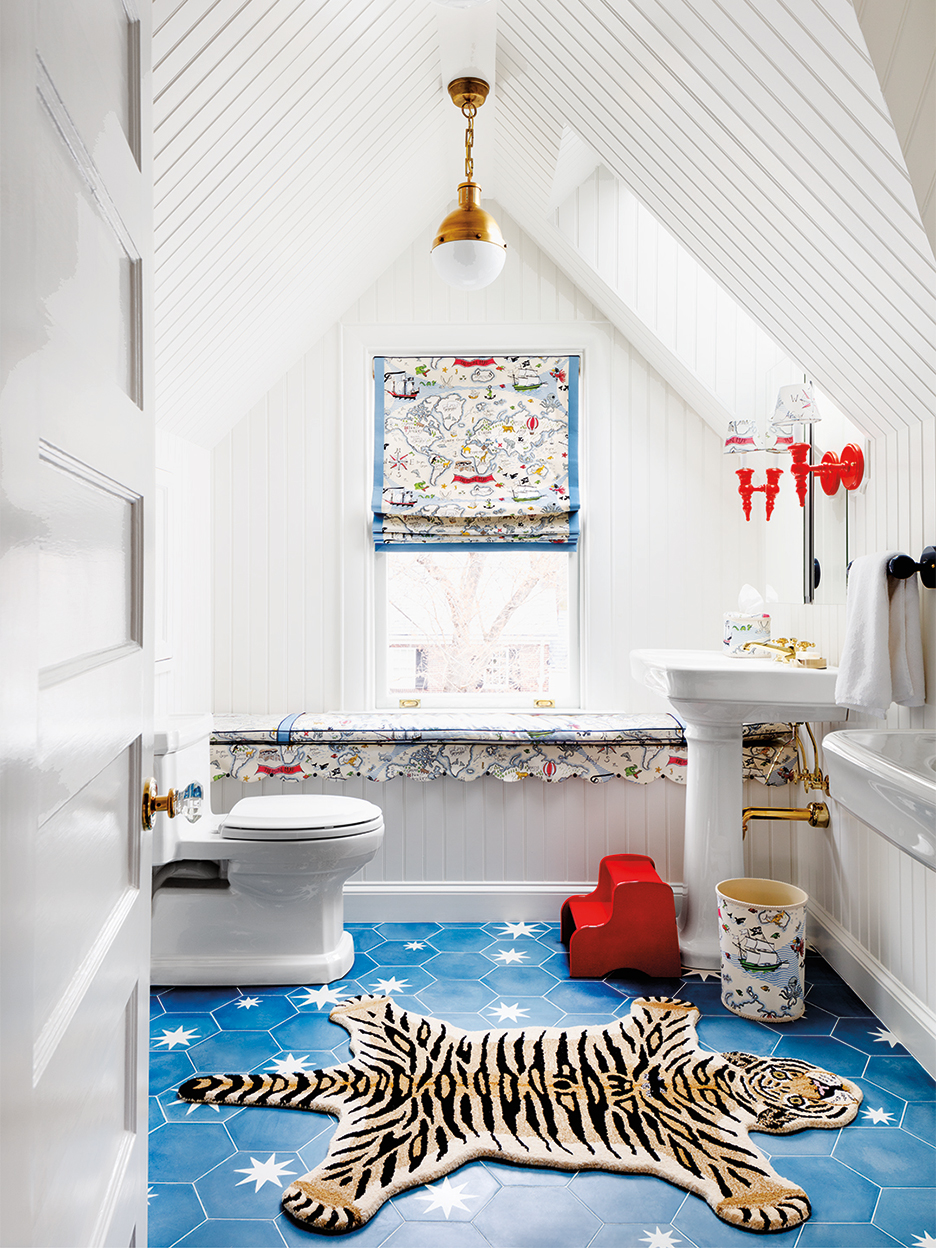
508 1013
446 1196
218 1177
509 956
180 1036
262 1172
878 1115
660 1239
327 994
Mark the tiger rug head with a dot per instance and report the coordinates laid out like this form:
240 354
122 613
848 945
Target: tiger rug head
420 1098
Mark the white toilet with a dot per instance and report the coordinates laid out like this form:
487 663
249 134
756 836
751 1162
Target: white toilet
254 896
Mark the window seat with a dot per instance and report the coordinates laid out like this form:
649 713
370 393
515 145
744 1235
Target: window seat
427 745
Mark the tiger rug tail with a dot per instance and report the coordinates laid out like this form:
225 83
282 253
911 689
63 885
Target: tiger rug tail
420 1098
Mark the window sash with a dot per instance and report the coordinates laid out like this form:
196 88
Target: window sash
566 696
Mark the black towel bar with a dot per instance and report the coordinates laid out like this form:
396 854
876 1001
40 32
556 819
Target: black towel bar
902 566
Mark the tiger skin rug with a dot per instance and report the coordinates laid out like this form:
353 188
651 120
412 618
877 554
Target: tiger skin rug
640 1096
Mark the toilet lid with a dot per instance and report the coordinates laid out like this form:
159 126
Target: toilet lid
302 816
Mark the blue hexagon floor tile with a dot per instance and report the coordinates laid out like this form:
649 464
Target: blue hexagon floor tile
909 1214
461 939
217 1173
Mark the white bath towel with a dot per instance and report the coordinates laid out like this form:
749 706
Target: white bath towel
882 655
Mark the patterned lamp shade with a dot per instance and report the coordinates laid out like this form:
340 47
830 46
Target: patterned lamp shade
741 437
795 405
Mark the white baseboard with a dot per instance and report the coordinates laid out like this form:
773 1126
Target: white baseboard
910 1019
440 902
383 901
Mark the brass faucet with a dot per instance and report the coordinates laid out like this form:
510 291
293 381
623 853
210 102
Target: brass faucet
816 814
783 650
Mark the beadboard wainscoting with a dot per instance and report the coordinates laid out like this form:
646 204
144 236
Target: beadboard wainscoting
454 849
488 832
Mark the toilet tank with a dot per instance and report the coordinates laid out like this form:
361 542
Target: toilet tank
180 757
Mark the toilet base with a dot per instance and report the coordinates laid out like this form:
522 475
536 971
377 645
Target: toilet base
243 970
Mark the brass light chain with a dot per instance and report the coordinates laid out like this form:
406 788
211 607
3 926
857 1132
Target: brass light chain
469 111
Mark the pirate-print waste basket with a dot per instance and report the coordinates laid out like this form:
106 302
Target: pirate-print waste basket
762 930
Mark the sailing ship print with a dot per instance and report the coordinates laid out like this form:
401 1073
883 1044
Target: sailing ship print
527 378
397 496
402 385
757 954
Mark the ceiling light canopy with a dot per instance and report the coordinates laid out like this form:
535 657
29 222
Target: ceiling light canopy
468 250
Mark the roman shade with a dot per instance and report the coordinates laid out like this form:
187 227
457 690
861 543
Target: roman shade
475 451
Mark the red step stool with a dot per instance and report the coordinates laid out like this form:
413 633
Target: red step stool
628 921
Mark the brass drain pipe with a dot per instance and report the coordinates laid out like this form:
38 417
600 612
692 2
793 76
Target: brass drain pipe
816 814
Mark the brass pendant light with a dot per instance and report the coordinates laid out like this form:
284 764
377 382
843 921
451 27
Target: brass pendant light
468 250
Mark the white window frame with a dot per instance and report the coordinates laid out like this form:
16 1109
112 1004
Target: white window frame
357 558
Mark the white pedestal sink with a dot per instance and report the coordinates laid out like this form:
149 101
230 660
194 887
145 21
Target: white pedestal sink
715 695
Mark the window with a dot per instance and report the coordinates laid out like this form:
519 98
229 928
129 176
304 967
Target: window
477 628
475 502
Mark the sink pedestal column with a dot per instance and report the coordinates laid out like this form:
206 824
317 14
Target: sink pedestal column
714 694
713 849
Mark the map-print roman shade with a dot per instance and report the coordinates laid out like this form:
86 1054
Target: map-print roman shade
476 450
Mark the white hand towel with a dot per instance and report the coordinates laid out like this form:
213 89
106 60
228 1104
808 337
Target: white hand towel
882 655
906 643
864 679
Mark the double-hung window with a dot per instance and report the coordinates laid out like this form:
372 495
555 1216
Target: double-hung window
476 523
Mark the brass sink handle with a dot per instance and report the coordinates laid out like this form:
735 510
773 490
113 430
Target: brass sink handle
153 803
782 650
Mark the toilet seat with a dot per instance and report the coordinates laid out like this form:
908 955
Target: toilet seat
299 817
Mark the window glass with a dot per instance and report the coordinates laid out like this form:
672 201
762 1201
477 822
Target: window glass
477 628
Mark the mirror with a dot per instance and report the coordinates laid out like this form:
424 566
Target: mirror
806 548
825 523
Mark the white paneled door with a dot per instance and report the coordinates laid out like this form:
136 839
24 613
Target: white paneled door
76 480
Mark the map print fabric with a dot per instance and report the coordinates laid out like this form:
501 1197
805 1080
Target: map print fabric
476 450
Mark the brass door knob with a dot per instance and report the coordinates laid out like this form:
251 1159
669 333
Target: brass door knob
153 803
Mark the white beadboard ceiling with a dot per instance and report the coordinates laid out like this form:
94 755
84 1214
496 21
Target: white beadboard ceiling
301 145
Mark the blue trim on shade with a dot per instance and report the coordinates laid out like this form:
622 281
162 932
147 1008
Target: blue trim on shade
377 501
284 728
574 366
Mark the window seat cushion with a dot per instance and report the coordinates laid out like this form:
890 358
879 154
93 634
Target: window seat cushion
426 745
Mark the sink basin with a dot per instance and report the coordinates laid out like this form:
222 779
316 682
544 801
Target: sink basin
708 686
887 779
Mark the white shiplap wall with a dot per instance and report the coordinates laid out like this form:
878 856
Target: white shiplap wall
282 515
280 181
755 130
757 134
901 40
675 297
182 554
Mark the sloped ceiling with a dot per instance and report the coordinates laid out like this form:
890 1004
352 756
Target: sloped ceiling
302 144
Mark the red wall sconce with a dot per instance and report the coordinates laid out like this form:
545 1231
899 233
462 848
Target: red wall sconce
846 469
770 489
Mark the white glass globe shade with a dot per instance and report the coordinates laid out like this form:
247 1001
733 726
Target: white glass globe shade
468 264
